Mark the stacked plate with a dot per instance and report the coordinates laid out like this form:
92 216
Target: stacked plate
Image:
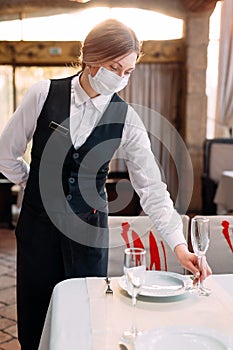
182 338
161 284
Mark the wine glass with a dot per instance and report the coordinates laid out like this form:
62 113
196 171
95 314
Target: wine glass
134 271
200 238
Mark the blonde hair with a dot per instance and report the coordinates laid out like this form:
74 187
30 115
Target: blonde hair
108 40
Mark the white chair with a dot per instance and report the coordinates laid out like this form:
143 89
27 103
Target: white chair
220 252
139 231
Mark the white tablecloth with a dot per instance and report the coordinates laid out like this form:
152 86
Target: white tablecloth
224 194
81 316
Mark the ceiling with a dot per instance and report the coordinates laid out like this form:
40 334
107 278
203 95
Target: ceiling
14 9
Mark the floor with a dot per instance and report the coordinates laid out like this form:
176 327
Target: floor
8 331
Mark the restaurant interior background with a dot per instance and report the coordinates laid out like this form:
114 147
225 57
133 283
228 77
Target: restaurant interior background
182 87
178 75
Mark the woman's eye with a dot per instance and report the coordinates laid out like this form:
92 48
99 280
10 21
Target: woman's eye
113 68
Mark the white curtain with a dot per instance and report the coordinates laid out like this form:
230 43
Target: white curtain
154 91
224 110
6 93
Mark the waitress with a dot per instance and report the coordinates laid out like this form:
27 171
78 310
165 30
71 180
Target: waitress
76 124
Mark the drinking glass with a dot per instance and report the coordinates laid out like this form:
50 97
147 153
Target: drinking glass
200 238
134 271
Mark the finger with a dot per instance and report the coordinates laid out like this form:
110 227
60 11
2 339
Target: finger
195 271
203 268
195 278
208 270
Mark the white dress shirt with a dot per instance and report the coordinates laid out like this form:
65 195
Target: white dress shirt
85 112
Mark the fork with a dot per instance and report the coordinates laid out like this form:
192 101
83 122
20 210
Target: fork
109 289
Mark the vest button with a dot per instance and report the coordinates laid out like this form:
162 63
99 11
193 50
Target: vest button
71 180
75 155
69 197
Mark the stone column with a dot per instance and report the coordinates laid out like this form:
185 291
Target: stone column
195 110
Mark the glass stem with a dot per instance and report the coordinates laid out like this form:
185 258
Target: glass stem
134 327
200 265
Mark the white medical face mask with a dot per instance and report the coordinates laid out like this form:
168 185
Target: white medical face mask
106 82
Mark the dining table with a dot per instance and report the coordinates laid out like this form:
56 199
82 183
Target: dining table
82 316
224 193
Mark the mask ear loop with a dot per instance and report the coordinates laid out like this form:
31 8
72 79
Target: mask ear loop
89 69
95 65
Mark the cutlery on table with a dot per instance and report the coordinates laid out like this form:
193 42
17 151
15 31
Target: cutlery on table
109 289
126 346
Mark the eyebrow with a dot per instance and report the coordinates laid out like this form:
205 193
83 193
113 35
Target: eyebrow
122 66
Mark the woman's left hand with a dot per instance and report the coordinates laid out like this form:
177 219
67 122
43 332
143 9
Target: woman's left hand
190 262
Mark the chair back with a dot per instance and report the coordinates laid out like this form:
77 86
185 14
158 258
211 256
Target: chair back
217 158
139 231
220 252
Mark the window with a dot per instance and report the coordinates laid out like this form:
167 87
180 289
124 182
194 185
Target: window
212 69
6 94
155 26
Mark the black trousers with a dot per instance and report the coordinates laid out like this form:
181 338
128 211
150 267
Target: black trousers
45 257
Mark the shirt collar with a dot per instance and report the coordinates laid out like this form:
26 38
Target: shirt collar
80 96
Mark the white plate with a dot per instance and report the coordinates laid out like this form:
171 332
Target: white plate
179 338
160 284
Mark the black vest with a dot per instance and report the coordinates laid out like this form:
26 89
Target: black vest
62 176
